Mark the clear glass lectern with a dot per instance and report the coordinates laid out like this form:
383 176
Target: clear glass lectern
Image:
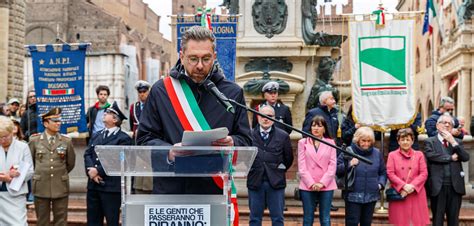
176 209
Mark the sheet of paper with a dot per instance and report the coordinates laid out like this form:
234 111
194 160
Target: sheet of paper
203 138
16 182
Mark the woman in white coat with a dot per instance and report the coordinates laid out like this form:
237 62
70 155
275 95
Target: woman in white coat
14 155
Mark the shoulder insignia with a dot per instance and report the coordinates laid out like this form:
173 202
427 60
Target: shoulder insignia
65 136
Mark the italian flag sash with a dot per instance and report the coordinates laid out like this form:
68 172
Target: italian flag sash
191 118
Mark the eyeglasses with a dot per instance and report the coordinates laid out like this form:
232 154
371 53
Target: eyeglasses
31 96
207 60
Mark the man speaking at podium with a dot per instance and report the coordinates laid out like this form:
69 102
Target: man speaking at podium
182 102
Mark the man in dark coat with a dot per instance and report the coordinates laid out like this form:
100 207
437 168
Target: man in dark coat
446 105
96 111
446 176
103 192
266 180
143 89
327 110
160 125
282 112
29 120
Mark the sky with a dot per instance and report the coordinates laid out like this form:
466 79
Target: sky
163 8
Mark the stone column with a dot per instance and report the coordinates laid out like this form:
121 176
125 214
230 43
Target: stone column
16 40
4 22
463 104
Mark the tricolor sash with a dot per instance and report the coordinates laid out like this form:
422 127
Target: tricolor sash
192 119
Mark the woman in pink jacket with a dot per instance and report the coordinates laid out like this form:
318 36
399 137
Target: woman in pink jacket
317 169
407 172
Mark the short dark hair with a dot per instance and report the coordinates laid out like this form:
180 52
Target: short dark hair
101 88
406 132
197 33
319 120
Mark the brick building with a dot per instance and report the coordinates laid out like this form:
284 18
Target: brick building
12 28
127 44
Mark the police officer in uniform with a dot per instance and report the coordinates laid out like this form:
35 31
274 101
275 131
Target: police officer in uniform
282 112
141 185
53 158
103 192
143 89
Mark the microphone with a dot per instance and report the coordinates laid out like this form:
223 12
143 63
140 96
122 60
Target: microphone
223 100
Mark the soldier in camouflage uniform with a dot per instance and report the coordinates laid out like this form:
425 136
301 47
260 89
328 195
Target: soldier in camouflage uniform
53 157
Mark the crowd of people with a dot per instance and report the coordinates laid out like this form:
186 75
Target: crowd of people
413 175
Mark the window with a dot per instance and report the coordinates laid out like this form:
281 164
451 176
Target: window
428 54
417 60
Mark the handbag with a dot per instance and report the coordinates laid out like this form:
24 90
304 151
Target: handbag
348 177
392 194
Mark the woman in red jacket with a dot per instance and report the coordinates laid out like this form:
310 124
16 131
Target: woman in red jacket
407 172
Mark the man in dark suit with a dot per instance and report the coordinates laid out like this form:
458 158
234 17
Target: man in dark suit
266 180
446 176
103 192
282 112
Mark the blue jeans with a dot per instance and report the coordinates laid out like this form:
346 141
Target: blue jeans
275 199
310 200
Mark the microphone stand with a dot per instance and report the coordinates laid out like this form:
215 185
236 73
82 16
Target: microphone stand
343 150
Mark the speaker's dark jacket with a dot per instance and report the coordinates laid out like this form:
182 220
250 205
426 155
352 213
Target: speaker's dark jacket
160 126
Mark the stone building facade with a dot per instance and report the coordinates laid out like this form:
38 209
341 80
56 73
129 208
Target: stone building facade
181 7
126 43
12 28
444 59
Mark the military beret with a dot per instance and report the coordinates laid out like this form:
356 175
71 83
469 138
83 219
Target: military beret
141 85
270 87
54 114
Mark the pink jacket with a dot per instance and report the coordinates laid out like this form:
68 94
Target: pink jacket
317 167
414 209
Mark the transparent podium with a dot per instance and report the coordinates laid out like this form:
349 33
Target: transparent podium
176 209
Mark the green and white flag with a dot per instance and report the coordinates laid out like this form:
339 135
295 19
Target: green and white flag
383 72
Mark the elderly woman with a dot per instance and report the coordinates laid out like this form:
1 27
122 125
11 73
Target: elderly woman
369 179
13 154
407 172
317 169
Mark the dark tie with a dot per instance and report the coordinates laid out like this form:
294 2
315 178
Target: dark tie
445 143
106 133
51 141
264 135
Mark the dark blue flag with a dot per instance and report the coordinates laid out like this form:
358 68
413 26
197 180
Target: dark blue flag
59 82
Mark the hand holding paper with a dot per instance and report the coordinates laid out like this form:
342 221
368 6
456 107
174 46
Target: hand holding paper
216 137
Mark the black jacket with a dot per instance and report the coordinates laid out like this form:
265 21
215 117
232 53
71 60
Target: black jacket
29 121
111 184
273 152
160 126
90 118
330 116
437 159
282 114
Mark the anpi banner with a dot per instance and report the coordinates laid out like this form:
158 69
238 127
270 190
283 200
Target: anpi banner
59 82
382 73
226 34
